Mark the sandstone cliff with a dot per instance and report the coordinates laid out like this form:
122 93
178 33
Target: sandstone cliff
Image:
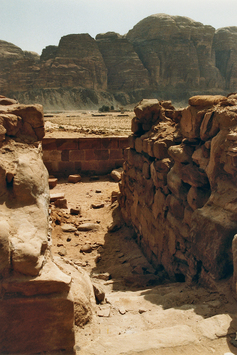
177 52
161 57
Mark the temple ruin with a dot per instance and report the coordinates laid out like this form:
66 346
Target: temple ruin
178 192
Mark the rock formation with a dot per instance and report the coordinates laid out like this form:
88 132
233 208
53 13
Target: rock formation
178 189
165 57
76 62
36 305
177 52
126 72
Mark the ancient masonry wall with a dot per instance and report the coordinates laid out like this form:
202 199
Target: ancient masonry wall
179 186
97 155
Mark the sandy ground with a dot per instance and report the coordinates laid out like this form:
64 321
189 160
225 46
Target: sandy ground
87 123
142 313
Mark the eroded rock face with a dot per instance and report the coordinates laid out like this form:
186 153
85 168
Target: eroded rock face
19 69
162 56
30 322
179 190
77 62
177 52
225 46
125 70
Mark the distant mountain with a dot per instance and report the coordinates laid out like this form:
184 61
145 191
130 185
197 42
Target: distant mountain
166 57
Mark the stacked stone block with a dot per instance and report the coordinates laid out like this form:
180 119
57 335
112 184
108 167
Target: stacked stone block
179 189
98 155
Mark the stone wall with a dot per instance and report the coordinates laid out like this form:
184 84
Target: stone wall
97 155
179 190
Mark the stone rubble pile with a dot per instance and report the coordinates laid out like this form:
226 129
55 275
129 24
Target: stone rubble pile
179 188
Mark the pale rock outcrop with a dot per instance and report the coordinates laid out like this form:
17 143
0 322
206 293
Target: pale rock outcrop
36 303
178 190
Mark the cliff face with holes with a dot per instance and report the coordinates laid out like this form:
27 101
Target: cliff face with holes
178 189
165 57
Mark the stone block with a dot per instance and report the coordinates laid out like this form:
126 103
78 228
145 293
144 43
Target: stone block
52 155
65 155
205 100
102 154
52 182
131 141
91 167
136 126
197 197
115 154
61 203
90 154
175 206
158 204
139 144
109 143
36 324
146 170
56 196
212 223
150 144
74 178
176 185
160 150
181 153
49 144
191 121
193 176
123 143
90 143
76 155
125 154
66 168
67 144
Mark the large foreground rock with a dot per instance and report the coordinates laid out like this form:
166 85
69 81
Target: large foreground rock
36 306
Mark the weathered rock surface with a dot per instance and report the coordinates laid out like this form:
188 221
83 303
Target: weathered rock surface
77 62
178 189
19 69
162 56
125 69
36 303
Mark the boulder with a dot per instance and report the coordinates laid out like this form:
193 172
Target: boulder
36 306
206 100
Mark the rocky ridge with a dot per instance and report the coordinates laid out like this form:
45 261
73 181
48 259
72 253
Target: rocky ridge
165 57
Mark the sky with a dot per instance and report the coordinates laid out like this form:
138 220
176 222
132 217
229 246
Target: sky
34 24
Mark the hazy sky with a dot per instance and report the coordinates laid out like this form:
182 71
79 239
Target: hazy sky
34 24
